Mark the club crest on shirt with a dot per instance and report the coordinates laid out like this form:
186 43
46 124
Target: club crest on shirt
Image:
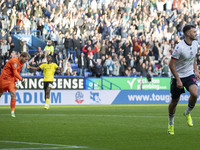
15 65
191 53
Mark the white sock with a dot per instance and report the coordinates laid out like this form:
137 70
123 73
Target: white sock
12 112
189 109
171 119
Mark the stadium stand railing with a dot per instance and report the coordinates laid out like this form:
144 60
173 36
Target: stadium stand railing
110 83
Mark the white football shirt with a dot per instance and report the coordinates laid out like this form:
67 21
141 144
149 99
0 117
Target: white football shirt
184 54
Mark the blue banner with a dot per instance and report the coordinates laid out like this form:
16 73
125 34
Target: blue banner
148 97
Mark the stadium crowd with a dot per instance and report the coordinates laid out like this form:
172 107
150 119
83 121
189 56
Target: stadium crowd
104 37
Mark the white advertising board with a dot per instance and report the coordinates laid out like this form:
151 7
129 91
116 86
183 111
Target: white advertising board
62 97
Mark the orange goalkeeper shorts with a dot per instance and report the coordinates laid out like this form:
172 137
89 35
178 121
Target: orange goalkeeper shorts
6 85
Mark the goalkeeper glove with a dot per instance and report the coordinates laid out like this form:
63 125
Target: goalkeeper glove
23 82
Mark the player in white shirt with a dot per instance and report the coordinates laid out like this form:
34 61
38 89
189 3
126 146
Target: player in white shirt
185 73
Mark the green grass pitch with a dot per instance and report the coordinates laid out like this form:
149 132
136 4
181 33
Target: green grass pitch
97 127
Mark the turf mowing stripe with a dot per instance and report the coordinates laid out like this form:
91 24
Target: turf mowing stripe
31 143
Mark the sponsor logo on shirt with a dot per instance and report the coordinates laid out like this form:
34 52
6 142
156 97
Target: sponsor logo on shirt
15 65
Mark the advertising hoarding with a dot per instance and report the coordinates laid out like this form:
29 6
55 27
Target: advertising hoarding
127 83
93 97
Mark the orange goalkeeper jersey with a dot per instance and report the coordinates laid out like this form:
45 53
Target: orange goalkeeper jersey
12 69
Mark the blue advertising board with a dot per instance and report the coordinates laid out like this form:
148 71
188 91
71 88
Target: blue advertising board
148 97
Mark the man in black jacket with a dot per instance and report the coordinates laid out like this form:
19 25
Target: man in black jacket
68 43
76 44
82 64
98 69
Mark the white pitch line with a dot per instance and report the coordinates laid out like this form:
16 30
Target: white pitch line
49 148
89 115
59 146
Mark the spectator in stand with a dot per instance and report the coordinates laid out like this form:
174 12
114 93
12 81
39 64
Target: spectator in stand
3 46
10 44
39 57
13 20
74 73
67 67
103 49
33 62
54 37
49 47
88 50
156 50
133 73
40 27
27 25
144 70
98 69
67 73
68 44
60 65
136 47
127 48
109 66
116 68
76 44
82 64
156 71
23 46
164 67
90 63
127 73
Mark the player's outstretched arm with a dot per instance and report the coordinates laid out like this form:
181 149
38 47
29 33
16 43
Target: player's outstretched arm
59 69
34 68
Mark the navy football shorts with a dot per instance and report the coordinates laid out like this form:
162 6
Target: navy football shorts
187 81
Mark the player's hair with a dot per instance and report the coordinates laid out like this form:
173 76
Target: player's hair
25 54
187 28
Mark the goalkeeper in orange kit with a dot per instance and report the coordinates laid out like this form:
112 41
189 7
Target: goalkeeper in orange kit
10 75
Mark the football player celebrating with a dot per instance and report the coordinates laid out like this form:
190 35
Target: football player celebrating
49 69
